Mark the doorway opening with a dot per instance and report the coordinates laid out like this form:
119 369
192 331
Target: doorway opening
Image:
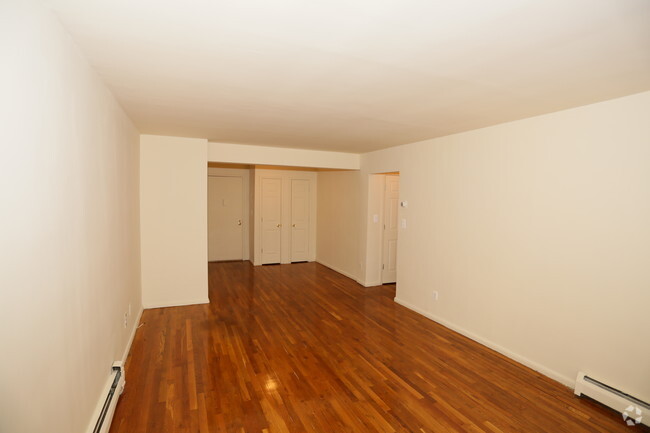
390 228
385 222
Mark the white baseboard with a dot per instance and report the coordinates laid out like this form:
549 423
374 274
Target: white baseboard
176 303
135 324
340 271
348 274
502 350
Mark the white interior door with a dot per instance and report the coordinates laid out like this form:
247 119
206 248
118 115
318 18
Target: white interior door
299 220
389 247
271 216
225 216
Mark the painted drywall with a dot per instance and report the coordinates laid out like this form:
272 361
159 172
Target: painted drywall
69 230
338 216
286 176
173 220
536 235
245 176
282 156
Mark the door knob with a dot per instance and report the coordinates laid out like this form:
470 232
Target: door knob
293 225
279 225
238 222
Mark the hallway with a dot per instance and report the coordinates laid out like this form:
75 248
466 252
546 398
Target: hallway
301 348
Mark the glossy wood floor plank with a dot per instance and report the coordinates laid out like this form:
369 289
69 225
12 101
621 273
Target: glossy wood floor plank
301 348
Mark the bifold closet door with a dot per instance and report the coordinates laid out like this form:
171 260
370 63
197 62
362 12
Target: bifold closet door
299 220
271 218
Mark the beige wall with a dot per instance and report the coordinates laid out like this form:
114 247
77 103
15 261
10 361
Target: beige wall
339 214
536 234
174 220
281 156
69 228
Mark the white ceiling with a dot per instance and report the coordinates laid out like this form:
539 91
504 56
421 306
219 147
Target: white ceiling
356 75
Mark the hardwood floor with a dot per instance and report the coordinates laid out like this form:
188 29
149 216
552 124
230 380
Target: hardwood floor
301 348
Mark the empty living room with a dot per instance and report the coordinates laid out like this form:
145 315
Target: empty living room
314 216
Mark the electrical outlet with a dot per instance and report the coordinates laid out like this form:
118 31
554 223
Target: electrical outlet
435 295
126 319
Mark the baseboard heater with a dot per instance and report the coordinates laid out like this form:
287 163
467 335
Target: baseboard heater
634 410
101 421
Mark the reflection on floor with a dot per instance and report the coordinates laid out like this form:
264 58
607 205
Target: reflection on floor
301 348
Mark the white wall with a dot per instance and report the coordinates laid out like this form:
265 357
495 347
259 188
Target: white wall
265 155
69 231
286 176
246 194
174 220
339 214
536 234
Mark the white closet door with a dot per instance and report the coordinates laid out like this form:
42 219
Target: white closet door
271 215
389 260
299 220
225 213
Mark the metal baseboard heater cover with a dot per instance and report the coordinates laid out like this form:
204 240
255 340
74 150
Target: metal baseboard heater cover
633 410
101 421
